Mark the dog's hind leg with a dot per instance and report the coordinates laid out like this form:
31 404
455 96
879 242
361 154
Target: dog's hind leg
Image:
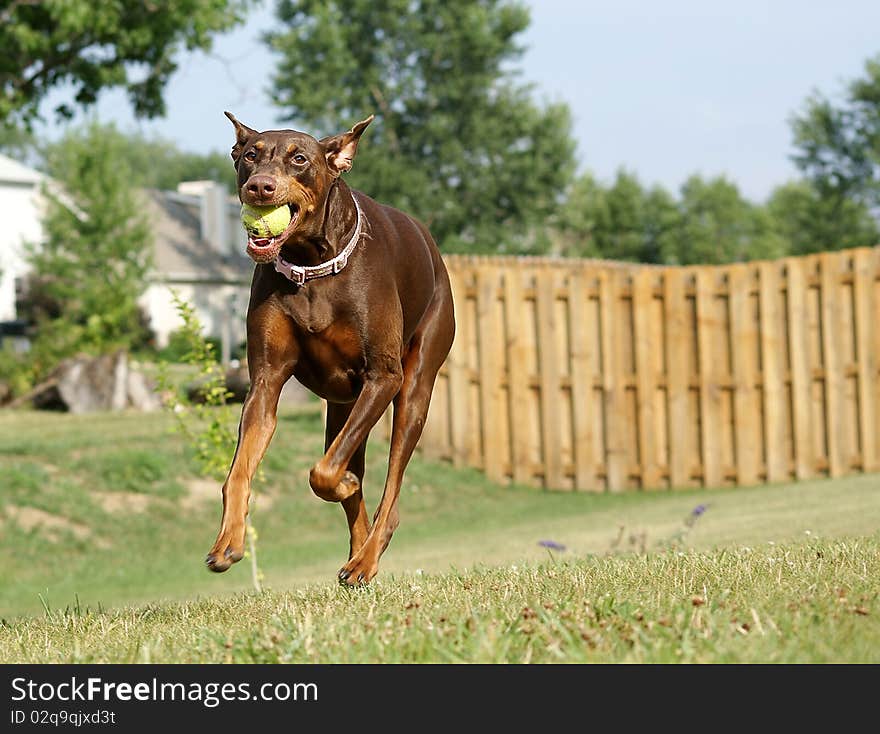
426 353
353 504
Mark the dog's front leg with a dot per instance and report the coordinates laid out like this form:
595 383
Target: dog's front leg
270 365
329 478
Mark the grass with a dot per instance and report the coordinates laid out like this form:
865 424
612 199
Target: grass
815 602
103 525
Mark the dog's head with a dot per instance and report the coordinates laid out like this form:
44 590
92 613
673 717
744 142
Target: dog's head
287 167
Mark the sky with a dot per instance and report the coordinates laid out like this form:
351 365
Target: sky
663 89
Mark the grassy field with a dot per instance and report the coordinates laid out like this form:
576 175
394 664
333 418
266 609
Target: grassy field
104 526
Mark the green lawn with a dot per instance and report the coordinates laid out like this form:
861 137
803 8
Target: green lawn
105 513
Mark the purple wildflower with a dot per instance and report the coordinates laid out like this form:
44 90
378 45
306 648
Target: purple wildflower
698 510
551 545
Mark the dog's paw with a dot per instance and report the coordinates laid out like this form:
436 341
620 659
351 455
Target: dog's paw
357 572
224 554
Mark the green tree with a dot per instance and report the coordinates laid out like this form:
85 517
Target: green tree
625 237
662 222
838 147
94 45
95 255
717 225
160 164
622 222
582 220
457 141
808 222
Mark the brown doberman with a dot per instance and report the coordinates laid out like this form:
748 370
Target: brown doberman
353 300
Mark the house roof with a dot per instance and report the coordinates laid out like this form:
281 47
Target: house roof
11 171
180 253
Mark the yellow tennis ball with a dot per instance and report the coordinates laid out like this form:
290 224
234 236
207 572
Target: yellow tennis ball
265 221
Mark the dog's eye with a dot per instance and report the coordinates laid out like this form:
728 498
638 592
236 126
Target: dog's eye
299 159
251 155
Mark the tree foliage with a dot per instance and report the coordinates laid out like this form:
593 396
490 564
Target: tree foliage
94 259
457 141
708 222
94 45
717 225
807 221
838 147
624 221
158 163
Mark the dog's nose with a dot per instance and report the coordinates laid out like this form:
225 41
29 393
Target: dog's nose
261 186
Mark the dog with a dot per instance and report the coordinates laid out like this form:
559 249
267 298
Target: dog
353 300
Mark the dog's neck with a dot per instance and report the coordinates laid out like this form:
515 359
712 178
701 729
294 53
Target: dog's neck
330 228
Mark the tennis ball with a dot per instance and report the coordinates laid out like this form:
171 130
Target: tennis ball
265 221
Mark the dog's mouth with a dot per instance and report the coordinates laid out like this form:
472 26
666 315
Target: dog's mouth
265 249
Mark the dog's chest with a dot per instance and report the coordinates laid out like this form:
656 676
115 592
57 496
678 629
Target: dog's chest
310 312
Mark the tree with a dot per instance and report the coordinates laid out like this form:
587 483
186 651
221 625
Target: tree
717 225
625 236
457 141
160 164
583 219
95 256
94 45
808 222
838 147
662 220
621 222
153 162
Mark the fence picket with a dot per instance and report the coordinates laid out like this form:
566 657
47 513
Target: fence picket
459 370
582 372
646 343
772 360
491 343
800 369
545 287
677 360
866 326
747 422
710 392
831 352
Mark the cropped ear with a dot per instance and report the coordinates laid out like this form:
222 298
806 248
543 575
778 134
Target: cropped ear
242 133
340 149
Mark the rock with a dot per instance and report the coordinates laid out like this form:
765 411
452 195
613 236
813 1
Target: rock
141 394
85 384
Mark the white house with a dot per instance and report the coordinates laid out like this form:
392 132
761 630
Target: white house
199 252
20 207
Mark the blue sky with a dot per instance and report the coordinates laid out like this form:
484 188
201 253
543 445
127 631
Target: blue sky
664 89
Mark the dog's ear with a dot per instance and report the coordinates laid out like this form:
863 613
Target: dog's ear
340 149
242 133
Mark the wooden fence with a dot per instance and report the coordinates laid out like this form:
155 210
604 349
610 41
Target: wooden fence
604 376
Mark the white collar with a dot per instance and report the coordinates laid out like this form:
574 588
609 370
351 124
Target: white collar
299 274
